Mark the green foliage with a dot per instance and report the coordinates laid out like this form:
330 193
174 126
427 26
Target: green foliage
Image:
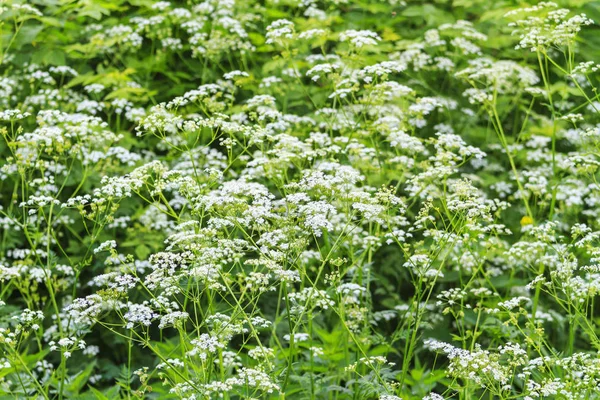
316 199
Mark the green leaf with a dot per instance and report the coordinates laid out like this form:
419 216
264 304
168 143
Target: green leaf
99 395
76 383
142 251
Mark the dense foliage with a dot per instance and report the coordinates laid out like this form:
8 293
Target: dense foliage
299 199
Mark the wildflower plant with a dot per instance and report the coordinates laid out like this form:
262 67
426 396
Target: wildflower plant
224 199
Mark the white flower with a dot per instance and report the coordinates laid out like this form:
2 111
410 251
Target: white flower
360 39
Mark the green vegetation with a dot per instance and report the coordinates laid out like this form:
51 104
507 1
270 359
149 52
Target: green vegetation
299 199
